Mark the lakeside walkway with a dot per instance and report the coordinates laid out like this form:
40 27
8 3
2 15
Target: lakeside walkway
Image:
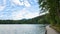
51 31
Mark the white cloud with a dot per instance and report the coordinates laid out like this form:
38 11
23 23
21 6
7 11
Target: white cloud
36 0
24 2
31 15
17 2
23 14
2 5
27 3
4 2
18 14
1 15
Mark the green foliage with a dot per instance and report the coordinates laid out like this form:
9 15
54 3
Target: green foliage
43 20
36 20
53 7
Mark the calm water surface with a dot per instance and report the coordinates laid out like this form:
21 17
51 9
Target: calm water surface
22 29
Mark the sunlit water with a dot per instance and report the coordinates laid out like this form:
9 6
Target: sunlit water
22 29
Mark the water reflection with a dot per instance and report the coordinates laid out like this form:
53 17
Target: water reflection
22 29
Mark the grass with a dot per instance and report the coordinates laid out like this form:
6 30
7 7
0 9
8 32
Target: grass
56 27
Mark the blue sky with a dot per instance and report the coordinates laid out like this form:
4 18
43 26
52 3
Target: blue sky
18 9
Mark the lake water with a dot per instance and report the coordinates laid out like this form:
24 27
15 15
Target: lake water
22 29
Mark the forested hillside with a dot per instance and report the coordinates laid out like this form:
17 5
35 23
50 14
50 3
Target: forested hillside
36 20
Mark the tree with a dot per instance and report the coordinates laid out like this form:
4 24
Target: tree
53 7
